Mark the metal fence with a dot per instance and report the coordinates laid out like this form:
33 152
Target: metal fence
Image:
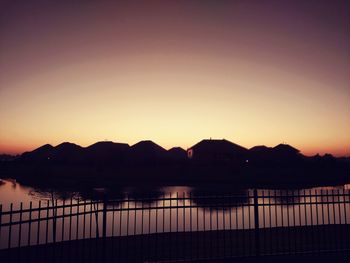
176 227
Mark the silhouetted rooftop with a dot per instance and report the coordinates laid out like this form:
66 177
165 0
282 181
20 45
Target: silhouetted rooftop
218 145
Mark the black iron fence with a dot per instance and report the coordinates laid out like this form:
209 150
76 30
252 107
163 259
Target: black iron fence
176 227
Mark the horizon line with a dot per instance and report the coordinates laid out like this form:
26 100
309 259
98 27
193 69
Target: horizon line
347 155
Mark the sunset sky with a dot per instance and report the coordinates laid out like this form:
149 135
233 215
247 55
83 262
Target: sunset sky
175 72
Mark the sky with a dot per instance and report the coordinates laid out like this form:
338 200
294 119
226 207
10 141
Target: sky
175 72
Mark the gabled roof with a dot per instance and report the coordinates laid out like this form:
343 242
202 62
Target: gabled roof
147 147
44 148
43 152
177 152
285 148
68 146
107 146
259 149
218 145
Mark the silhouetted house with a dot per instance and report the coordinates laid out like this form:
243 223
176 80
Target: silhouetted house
286 153
40 155
147 152
213 151
285 150
325 160
67 153
260 149
282 153
177 154
260 154
107 152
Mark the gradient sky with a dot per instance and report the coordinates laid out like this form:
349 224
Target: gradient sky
175 72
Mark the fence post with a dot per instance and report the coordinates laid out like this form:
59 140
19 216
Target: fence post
54 220
104 217
256 224
0 221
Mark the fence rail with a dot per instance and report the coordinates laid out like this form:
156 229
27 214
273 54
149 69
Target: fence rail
177 227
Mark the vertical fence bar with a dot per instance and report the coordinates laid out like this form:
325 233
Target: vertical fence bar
256 223
249 223
263 239
90 219
120 230
230 233
20 225
184 223
19 231
97 229
70 219
62 227
323 220
283 230
243 228
177 224
237 231
294 222
336 232
170 227
47 222
149 227
276 221
217 224
90 229
270 224
112 234
10 226
84 218
345 220
163 250
288 223
0 220
39 219
104 218
317 221
307 238
30 222
191 234
104 227
127 226
156 235
54 226
341 234
54 219
135 217
311 221
77 226
211 226
224 227
204 239
328 217
63 218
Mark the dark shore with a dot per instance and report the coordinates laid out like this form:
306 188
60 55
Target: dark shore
85 178
215 164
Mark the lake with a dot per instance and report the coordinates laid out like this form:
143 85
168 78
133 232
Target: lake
171 209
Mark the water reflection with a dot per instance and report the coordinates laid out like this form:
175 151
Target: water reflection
282 197
171 209
146 195
219 199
